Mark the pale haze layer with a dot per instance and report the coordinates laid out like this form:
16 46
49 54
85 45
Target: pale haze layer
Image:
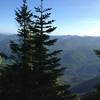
73 17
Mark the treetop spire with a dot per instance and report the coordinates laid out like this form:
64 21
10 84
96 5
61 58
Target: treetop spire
24 1
41 1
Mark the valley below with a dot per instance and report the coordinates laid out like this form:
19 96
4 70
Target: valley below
78 56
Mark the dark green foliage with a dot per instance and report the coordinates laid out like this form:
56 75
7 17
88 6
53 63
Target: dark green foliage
23 49
35 70
46 63
16 79
97 52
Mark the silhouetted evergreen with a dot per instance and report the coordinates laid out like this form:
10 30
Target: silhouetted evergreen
16 82
35 68
22 49
46 62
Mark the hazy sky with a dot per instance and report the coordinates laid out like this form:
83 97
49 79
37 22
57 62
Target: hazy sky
73 17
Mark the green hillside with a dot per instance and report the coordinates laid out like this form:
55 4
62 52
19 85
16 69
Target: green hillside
78 56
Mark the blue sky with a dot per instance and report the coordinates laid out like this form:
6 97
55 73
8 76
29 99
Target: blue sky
73 17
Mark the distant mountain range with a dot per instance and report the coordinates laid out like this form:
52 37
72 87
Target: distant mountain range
78 56
87 86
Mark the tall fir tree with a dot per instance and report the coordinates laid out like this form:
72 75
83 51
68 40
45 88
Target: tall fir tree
15 82
46 63
22 50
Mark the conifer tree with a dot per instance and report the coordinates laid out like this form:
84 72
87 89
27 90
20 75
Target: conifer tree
15 82
22 50
46 63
